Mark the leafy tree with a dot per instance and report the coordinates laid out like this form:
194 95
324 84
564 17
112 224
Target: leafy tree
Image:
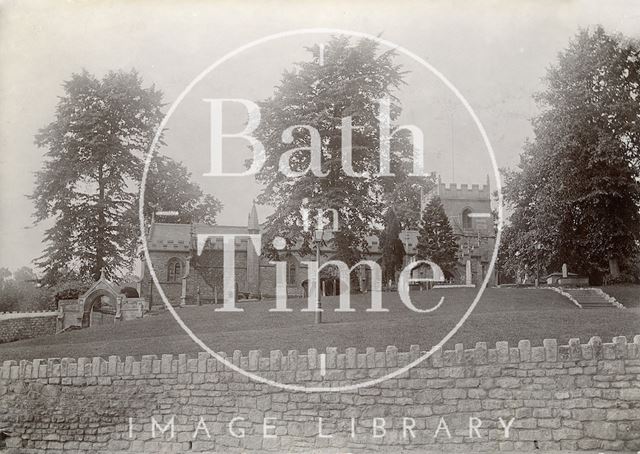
88 185
576 196
436 241
392 248
406 199
25 274
19 291
169 188
5 274
8 293
71 287
94 151
350 81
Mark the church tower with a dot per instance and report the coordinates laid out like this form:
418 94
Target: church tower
253 256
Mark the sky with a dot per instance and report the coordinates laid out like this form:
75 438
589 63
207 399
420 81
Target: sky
494 52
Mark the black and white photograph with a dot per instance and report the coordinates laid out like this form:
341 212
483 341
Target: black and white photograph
319 226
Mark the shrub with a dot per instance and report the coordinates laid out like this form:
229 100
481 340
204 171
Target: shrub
130 292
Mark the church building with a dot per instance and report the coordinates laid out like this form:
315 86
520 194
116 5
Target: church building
189 278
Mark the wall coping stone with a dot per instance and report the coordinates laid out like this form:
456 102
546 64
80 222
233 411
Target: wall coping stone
15 315
276 360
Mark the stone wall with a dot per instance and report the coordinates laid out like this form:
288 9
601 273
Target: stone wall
25 325
173 290
569 397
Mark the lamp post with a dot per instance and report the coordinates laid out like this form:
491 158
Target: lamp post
319 233
538 247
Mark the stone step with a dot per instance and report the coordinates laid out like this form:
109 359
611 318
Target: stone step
589 299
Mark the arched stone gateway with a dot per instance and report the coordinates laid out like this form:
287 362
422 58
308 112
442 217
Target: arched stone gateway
98 306
102 296
101 304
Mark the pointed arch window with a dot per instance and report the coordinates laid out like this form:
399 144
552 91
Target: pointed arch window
174 269
291 271
467 223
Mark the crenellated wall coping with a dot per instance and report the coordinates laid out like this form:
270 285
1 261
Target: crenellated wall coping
31 314
502 354
473 188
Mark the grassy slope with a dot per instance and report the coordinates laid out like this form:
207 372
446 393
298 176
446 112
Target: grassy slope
502 314
628 295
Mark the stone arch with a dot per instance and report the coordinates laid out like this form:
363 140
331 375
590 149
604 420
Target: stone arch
174 269
90 299
467 221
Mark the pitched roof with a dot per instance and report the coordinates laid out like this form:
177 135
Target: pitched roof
177 237
102 284
164 236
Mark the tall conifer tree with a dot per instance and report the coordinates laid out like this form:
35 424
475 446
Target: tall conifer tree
436 241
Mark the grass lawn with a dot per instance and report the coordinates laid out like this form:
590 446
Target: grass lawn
507 314
628 294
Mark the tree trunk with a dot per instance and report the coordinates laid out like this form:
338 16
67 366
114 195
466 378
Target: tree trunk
100 231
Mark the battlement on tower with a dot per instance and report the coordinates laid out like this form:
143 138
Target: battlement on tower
464 191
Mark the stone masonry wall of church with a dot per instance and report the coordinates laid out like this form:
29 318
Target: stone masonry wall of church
210 280
172 290
567 397
456 198
267 279
195 279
